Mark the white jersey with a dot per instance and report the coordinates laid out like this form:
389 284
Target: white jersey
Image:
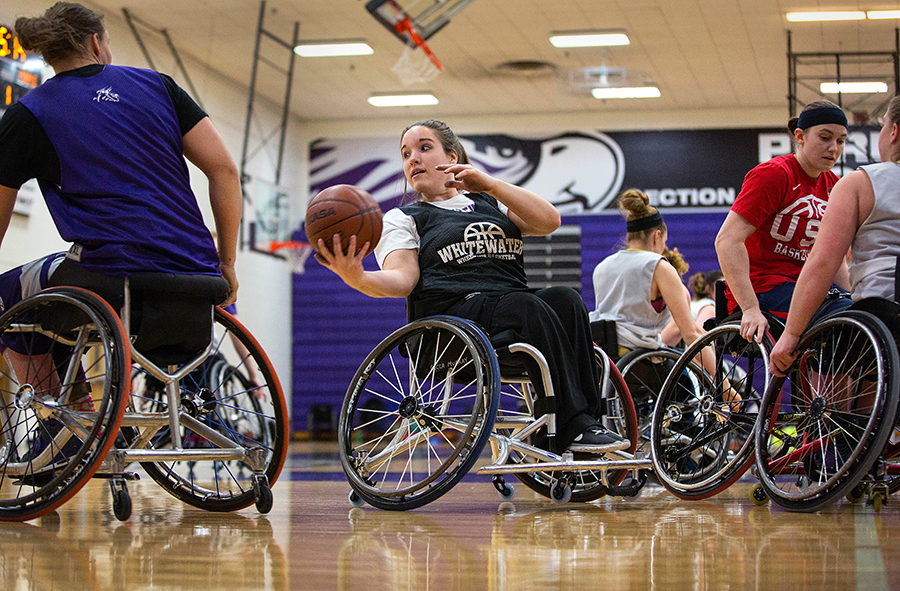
622 285
874 252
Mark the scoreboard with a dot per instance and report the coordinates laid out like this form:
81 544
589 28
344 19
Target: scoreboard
16 78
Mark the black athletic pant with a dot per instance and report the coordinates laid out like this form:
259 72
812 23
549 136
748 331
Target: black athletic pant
555 321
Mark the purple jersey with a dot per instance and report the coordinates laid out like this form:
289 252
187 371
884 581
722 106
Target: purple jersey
124 198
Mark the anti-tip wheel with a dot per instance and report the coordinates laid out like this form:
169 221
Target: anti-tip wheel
355 500
758 495
122 505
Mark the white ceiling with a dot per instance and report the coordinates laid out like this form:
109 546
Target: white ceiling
701 53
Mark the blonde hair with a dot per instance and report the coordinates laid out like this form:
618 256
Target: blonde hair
704 284
676 260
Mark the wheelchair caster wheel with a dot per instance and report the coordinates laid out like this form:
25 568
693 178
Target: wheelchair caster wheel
355 499
264 500
857 493
506 491
561 493
122 504
758 495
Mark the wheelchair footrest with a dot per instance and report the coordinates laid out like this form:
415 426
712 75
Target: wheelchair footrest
125 475
568 466
630 488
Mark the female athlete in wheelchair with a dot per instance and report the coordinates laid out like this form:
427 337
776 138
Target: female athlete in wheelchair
838 379
457 255
700 445
107 145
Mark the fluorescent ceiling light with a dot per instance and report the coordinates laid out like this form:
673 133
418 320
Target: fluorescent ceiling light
333 48
882 14
402 100
626 92
853 87
589 39
805 17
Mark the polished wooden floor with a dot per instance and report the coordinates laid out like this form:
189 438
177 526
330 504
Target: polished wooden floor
313 539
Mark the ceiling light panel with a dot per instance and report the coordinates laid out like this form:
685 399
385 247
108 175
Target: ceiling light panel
333 48
589 39
402 100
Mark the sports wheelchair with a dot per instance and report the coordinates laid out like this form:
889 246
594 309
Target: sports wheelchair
69 410
702 424
705 430
643 370
834 416
427 400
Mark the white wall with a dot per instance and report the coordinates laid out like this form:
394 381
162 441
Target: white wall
264 300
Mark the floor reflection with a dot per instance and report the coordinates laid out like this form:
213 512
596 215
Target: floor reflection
466 540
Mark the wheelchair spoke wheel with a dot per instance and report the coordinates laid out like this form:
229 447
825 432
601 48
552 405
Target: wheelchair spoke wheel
616 413
830 417
418 412
645 372
702 424
236 392
62 396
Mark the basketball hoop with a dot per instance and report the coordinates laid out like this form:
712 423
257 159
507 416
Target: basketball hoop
294 252
414 67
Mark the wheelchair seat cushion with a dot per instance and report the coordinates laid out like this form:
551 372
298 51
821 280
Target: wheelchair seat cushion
171 315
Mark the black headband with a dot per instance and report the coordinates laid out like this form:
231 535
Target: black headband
821 116
644 223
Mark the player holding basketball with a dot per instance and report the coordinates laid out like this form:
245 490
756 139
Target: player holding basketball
458 251
773 223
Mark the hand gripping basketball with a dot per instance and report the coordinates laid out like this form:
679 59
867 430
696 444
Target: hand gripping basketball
346 210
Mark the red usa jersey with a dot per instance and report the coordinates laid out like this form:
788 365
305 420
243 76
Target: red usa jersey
786 206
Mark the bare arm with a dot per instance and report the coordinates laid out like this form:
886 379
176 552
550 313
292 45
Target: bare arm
7 202
204 147
534 215
735 263
671 333
668 282
396 279
850 203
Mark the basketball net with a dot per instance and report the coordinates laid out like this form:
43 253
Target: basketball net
295 253
415 67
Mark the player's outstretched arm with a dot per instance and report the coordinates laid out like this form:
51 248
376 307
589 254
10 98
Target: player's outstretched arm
396 279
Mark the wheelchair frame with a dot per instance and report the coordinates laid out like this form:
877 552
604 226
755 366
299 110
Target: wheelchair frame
95 432
417 416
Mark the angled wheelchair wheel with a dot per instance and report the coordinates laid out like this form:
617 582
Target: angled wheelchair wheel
702 424
833 417
617 414
236 392
63 392
418 412
645 371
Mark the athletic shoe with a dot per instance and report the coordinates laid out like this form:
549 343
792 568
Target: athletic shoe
44 436
597 439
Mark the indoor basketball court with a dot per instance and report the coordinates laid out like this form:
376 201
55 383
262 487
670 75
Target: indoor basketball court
295 485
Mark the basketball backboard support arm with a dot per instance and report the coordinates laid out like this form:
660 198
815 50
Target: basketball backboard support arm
288 72
132 20
427 18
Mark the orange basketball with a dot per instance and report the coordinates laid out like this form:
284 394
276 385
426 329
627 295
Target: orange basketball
346 210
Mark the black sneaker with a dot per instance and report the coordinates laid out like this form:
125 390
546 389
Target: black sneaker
597 439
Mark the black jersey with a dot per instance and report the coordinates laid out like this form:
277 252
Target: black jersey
464 252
